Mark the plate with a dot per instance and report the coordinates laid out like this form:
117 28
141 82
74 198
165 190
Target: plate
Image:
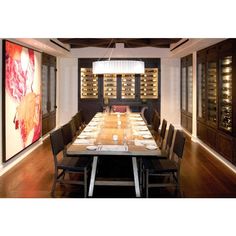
91 148
142 128
82 136
147 136
151 147
88 129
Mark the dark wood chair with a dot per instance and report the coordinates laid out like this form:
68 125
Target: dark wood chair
155 124
160 137
169 140
67 164
67 134
168 168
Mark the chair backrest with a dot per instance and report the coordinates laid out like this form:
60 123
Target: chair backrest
156 122
162 133
178 148
119 108
67 134
80 115
169 138
73 127
57 143
77 120
163 129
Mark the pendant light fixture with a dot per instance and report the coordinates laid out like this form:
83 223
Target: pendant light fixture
118 66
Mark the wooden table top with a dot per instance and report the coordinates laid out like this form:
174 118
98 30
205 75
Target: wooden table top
129 129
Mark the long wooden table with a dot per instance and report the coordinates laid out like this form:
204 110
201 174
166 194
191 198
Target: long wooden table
132 142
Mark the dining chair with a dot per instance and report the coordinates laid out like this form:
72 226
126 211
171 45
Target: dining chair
160 137
155 124
72 123
142 113
78 121
166 149
80 118
67 164
169 140
67 134
168 168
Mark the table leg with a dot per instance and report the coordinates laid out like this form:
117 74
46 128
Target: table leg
135 171
93 176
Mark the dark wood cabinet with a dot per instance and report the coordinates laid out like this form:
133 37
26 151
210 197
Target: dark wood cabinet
216 97
48 93
186 92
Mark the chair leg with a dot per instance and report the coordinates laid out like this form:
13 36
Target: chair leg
85 182
147 180
141 173
54 182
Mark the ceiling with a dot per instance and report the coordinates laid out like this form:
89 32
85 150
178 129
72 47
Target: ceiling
128 42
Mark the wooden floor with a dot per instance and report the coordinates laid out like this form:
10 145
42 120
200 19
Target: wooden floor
202 176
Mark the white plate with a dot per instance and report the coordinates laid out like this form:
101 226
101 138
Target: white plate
91 148
147 136
151 147
88 129
82 136
142 128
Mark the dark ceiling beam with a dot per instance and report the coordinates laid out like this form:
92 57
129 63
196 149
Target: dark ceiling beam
128 42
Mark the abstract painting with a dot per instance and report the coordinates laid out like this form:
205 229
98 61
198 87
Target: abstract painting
21 98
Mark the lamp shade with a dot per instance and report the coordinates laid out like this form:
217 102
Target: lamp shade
118 67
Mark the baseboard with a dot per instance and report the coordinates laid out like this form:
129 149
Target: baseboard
211 151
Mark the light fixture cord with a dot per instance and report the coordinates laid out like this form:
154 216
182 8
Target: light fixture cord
107 50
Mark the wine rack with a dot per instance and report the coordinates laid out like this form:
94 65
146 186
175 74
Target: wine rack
212 91
225 101
149 84
183 85
89 84
201 90
128 86
110 86
190 89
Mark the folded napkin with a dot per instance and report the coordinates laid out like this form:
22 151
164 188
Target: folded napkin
135 118
114 148
83 141
139 132
144 142
138 123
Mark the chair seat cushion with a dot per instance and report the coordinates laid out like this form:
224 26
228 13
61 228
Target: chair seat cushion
74 163
160 166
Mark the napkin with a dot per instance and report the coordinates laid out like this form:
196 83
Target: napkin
144 142
116 148
83 141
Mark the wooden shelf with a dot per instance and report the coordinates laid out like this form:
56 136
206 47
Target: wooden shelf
89 84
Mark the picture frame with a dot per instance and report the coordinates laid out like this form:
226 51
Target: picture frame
21 98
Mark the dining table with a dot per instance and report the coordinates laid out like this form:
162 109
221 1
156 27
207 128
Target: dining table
114 135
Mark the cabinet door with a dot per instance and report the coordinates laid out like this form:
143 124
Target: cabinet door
190 89
183 87
44 90
52 89
212 92
201 88
225 93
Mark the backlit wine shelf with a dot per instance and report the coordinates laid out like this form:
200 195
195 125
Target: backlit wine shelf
89 84
128 86
110 85
149 84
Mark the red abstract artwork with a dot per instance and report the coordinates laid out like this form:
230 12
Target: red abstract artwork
22 97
